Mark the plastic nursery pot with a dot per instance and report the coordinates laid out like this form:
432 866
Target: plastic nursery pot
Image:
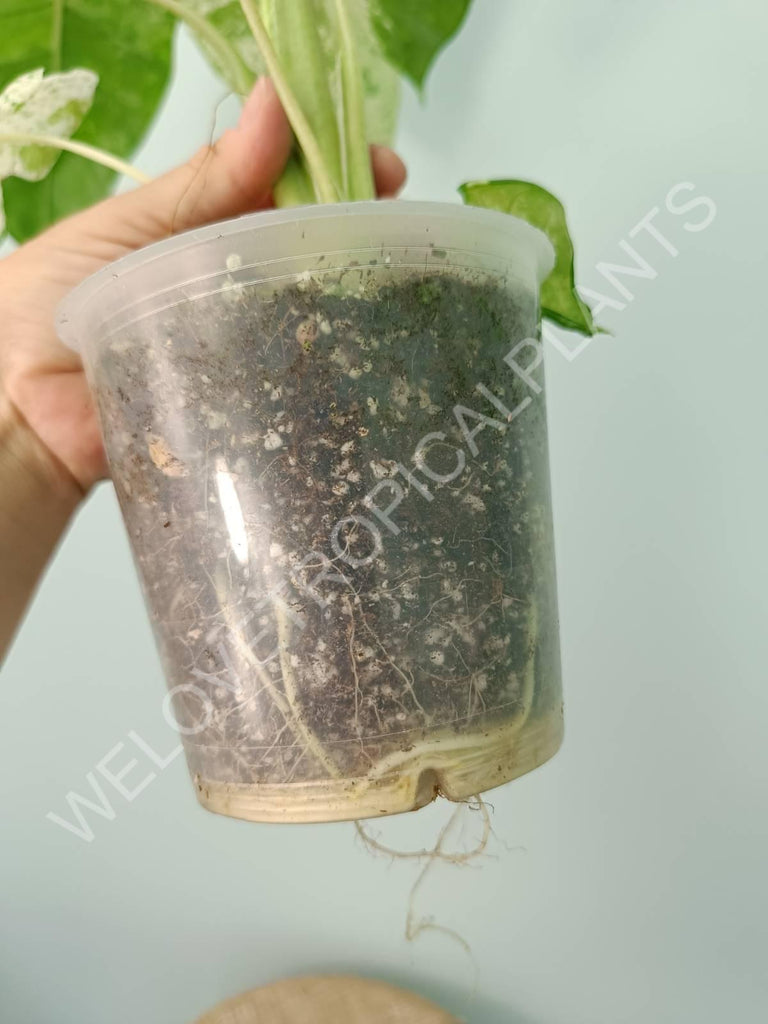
327 432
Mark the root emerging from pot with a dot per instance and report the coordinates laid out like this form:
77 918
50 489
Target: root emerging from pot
437 852
416 925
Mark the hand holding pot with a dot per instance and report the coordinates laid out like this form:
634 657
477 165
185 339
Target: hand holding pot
50 447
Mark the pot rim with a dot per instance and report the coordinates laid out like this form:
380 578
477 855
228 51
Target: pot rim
71 310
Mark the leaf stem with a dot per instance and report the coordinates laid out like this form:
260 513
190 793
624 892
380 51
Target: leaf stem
326 190
296 30
57 24
295 185
360 183
230 59
97 156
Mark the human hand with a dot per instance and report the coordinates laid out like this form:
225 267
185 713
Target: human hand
41 378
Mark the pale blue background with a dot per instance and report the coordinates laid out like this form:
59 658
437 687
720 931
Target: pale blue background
628 881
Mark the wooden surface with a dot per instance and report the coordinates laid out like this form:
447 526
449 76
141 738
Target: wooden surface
327 1000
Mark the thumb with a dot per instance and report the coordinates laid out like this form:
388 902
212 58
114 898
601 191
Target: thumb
231 176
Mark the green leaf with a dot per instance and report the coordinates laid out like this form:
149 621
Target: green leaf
381 82
412 32
560 301
226 16
130 53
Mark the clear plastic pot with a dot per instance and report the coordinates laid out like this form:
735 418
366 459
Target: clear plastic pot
327 432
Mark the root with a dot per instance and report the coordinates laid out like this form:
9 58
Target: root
529 679
311 742
286 704
408 681
414 925
413 930
353 664
437 852
437 754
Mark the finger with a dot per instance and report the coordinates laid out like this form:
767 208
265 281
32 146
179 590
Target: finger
388 171
230 177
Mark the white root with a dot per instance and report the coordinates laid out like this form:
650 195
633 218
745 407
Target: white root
415 926
437 852
313 744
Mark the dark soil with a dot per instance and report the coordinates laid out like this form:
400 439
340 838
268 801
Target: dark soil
243 427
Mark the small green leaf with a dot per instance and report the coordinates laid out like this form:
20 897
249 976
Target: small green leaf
560 301
127 43
412 32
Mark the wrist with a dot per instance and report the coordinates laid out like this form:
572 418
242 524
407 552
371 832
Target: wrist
37 499
28 471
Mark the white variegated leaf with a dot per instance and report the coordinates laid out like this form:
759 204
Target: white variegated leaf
38 104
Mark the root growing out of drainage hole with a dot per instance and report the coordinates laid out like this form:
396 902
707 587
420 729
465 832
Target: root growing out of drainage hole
416 925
